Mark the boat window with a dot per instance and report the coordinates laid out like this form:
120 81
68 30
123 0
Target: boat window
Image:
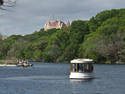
84 67
74 67
90 68
80 67
87 67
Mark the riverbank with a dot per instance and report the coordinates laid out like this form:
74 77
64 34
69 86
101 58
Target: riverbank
9 61
2 65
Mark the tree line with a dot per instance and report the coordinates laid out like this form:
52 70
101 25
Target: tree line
101 38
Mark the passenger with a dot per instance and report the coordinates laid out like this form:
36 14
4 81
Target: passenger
20 62
27 61
80 68
74 67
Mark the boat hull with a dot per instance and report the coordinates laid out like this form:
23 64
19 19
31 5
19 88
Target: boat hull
24 65
74 75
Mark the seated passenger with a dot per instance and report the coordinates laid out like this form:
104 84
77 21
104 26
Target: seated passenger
80 68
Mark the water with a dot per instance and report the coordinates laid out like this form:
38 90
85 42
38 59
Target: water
53 79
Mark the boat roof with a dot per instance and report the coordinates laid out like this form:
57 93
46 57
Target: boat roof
81 61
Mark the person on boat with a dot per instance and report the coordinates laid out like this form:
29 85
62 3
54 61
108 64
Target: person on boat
25 63
20 62
80 68
74 67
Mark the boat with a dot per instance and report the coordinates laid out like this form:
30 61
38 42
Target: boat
24 65
81 69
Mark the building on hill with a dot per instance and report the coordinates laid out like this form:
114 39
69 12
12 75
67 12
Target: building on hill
3 37
55 24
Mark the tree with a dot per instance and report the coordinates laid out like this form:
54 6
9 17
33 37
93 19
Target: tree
102 38
107 42
1 2
56 46
80 26
6 3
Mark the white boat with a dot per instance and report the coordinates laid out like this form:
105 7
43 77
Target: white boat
81 69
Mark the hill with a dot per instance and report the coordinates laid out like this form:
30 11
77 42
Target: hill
101 38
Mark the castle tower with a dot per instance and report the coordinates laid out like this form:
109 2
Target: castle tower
55 24
68 24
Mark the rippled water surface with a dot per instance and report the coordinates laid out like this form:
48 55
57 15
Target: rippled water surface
46 78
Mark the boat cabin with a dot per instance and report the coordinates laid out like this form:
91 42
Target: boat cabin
81 68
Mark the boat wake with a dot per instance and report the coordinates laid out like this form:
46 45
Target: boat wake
37 78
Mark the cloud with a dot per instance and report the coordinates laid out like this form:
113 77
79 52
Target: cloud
30 15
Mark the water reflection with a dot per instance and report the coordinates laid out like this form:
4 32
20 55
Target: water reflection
80 86
54 79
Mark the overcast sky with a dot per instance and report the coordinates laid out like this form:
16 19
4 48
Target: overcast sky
31 15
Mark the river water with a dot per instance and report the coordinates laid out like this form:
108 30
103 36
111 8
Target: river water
45 78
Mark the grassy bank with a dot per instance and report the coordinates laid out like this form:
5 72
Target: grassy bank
8 62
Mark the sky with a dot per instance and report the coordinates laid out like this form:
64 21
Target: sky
28 16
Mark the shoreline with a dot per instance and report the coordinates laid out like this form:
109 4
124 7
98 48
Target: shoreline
3 65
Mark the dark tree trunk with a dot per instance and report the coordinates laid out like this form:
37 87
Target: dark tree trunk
1 2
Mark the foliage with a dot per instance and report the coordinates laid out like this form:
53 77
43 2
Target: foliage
107 42
101 38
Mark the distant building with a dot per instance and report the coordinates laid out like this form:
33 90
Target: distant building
4 37
55 24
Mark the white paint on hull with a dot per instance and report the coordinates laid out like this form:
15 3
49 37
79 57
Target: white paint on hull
75 75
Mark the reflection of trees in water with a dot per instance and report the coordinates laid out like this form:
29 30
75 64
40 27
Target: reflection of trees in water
81 86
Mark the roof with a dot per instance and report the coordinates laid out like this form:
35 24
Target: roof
81 61
55 23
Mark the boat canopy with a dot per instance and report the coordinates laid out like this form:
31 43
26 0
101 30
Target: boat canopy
81 61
